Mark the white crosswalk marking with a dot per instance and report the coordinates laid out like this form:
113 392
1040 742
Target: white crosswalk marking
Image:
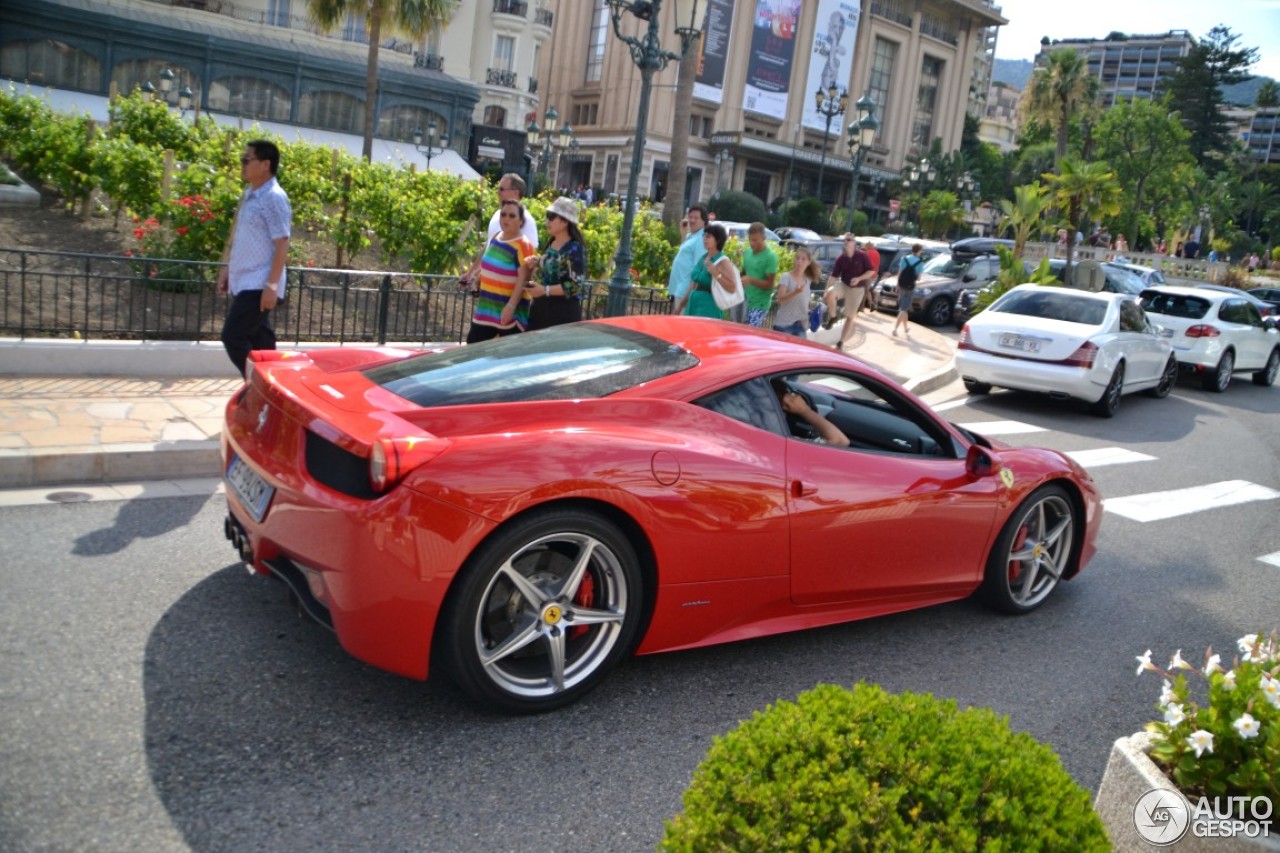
1002 427
1272 559
1100 456
1154 506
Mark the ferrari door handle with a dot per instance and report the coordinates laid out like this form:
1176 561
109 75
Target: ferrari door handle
801 489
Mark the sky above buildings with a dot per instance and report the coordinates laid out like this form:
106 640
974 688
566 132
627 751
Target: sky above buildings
1257 22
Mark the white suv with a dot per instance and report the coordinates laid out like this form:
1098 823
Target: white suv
1216 334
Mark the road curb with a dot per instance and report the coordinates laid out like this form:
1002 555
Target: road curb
54 466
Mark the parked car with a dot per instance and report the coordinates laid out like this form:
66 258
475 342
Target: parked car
1265 308
618 486
1064 342
825 253
1150 276
1269 295
1216 334
1118 279
791 234
971 246
739 230
941 281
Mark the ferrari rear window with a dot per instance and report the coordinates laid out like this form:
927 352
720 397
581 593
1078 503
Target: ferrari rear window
576 361
1174 305
1053 306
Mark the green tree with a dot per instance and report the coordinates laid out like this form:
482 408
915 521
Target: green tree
415 18
940 211
1023 214
1060 90
1195 91
1085 191
1268 95
1145 145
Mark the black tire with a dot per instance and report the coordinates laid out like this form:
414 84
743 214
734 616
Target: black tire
1033 551
1168 379
938 311
1220 378
1110 399
1267 375
557 585
976 388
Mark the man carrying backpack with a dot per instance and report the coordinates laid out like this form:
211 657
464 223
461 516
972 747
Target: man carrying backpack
908 272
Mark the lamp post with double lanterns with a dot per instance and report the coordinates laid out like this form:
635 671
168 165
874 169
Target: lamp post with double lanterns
549 138
830 103
649 56
862 134
920 177
430 149
967 187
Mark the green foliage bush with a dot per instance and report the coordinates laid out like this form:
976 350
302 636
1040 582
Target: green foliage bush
737 206
806 213
863 769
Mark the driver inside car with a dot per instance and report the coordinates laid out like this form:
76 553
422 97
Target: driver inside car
795 404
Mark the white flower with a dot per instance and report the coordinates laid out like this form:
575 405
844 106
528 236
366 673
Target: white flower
1173 714
1229 681
1144 662
1271 689
1166 693
1178 662
1246 644
1246 726
1212 665
1201 741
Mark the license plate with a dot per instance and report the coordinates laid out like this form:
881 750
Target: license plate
251 490
1019 343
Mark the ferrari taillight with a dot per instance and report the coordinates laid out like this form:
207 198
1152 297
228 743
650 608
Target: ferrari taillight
1084 356
1204 330
392 458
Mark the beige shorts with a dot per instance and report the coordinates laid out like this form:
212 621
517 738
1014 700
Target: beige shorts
852 296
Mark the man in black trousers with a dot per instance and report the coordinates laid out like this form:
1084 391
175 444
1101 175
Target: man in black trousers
255 258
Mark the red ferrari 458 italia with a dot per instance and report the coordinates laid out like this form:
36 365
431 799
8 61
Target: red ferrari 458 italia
523 513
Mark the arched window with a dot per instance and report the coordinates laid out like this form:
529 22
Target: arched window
400 123
332 110
50 63
132 73
249 96
495 116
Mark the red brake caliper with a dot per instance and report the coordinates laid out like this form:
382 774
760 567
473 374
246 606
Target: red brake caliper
585 597
1015 566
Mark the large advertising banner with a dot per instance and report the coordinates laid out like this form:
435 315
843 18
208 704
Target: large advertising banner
773 40
835 33
714 51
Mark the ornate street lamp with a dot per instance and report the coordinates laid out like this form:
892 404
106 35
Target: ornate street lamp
649 56
920 177
148 91
166 83
830 103
430 150
548 138
862 134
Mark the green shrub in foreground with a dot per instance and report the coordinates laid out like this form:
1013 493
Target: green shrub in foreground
867 770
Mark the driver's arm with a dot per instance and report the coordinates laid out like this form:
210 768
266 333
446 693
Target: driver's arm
794 404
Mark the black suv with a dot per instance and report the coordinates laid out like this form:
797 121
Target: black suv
940 283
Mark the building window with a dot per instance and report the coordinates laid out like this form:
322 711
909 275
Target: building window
495 116
504 53
332 110
597 37
355 29
658 181
585 114
610 173
881 80
132 73
51 63
400 123
926 101
756 182
249 96
278 13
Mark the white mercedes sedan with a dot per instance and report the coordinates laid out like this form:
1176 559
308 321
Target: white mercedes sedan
1067 343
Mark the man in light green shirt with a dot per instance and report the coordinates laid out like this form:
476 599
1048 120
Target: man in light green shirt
759 275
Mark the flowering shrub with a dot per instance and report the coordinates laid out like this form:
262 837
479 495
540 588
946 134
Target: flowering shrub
188 231
1230 745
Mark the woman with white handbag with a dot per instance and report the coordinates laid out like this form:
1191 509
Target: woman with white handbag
716 273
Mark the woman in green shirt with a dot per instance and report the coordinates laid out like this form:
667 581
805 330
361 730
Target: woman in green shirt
698 301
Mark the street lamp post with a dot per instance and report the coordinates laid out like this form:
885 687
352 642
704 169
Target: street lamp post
649 56
921 176
430 149
964 186
830 103
862 133
547 139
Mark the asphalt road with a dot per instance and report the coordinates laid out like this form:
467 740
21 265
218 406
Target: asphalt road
154 696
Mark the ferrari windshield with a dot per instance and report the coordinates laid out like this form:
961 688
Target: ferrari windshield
567 362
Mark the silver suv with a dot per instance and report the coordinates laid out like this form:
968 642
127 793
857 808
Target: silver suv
941 281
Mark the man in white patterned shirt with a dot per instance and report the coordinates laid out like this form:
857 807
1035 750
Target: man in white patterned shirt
254 273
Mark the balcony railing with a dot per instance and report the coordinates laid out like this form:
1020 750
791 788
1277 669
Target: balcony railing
499 77
890 10
543 17
519 8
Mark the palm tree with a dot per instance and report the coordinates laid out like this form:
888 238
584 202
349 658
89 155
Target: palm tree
1023 214
678 170
1268 95
940 211
414 18
1086 191
1059 90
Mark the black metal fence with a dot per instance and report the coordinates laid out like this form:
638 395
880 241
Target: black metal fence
63 295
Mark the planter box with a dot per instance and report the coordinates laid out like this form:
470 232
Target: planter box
1130 774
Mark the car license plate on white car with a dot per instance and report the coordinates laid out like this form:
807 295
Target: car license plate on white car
1019 343
251 490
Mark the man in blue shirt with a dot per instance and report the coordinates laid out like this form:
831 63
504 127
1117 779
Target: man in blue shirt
254 270
689 256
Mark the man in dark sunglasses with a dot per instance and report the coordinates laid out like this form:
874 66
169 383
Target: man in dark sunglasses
253 269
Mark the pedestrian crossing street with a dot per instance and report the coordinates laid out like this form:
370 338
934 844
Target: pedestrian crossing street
1145 507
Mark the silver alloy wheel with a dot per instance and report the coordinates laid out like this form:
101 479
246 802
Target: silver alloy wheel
1266 377
1222 376
551 615
1039 549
